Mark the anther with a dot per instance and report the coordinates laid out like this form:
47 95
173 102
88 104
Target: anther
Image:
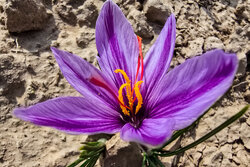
138 95
120 97
128 87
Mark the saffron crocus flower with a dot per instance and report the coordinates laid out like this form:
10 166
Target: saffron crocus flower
131 95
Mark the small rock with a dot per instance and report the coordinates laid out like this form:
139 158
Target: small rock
138 6
74 3
157 10
226 162
118 149
47 3
87 14
227 151
180 41
242 12
211 156
248 60
141 27
248 121
63 138
54 43
213 43
2 152
123 4
242 64
96 137
217 157
197 156
25 15
66 13
248 32
90 56
194 48
10 72
84 39
233 133
1 8
236 160
247 144
245 136
242 155
64 34
167 160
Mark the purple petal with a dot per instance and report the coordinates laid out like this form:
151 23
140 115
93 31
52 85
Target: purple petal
79 73
72 115
152 132
116 43
158 59
190 89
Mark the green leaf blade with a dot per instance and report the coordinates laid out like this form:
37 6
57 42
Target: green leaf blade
76 162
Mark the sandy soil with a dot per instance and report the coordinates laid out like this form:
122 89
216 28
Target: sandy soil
29 73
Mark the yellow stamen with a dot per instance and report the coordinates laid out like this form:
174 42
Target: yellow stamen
138 95
120 97
125 109
128 87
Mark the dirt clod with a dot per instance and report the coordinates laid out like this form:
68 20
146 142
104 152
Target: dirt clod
25 15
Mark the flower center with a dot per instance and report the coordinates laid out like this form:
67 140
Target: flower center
127 110
132 93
